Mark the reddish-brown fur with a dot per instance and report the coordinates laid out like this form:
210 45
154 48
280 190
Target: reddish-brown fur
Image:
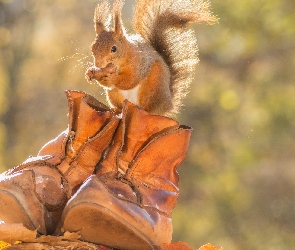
152 70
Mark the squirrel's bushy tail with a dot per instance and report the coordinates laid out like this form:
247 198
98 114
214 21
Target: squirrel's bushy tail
163 24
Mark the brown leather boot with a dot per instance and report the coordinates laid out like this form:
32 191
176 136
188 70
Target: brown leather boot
129 202
35 192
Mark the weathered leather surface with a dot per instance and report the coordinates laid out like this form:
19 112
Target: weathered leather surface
137 181
61 166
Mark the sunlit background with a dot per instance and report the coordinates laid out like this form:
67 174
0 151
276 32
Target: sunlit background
237 185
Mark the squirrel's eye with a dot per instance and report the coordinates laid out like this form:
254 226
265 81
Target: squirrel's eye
114 49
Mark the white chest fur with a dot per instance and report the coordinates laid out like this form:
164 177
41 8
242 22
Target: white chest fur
131 94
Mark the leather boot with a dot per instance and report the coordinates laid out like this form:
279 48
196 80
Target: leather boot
35 192
128 203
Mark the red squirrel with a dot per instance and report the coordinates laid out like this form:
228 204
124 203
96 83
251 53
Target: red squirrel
154 67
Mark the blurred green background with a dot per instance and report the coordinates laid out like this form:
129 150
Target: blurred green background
237 184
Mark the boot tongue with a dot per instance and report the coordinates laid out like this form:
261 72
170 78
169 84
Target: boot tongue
139 128
74 100
90 120
78 98
88 117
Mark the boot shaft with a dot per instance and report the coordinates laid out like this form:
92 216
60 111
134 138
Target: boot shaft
144 156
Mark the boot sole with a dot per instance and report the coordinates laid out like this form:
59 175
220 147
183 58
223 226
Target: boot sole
99 225
11 211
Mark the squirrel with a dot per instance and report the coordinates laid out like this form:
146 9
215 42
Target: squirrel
154 67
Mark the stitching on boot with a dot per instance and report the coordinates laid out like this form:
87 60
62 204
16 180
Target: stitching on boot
64 183
104 180
40 162
134 188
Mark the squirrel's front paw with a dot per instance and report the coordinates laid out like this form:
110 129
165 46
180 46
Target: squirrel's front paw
92 73
95 73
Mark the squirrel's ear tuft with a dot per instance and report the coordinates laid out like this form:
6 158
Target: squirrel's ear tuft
117 10
102 17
